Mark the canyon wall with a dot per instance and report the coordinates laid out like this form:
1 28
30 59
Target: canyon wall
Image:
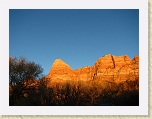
108 67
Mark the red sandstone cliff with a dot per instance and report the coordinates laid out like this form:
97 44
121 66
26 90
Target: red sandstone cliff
108 67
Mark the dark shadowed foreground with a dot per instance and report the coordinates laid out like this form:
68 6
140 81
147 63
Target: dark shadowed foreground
91 93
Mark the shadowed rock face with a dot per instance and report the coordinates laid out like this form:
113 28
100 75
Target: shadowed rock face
108 67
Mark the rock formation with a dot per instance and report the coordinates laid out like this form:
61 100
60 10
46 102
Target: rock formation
60 70
116 68
108 67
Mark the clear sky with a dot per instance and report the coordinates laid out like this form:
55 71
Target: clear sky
78 37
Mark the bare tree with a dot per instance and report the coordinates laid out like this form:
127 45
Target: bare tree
21 72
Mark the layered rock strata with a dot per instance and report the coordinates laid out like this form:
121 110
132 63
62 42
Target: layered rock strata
61 70
108 67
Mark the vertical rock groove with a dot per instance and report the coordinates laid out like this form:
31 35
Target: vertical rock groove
113 60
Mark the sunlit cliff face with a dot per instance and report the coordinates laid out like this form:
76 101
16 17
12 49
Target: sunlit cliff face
108 67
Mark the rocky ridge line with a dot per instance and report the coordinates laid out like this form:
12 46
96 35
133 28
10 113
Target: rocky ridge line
108 67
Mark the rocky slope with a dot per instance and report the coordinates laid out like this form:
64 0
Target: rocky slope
108 67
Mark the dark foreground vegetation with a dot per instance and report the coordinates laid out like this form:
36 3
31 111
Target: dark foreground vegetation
26 90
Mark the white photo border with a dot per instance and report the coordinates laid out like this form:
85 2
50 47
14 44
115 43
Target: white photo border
142 109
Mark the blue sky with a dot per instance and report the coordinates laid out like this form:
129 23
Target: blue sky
78 37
